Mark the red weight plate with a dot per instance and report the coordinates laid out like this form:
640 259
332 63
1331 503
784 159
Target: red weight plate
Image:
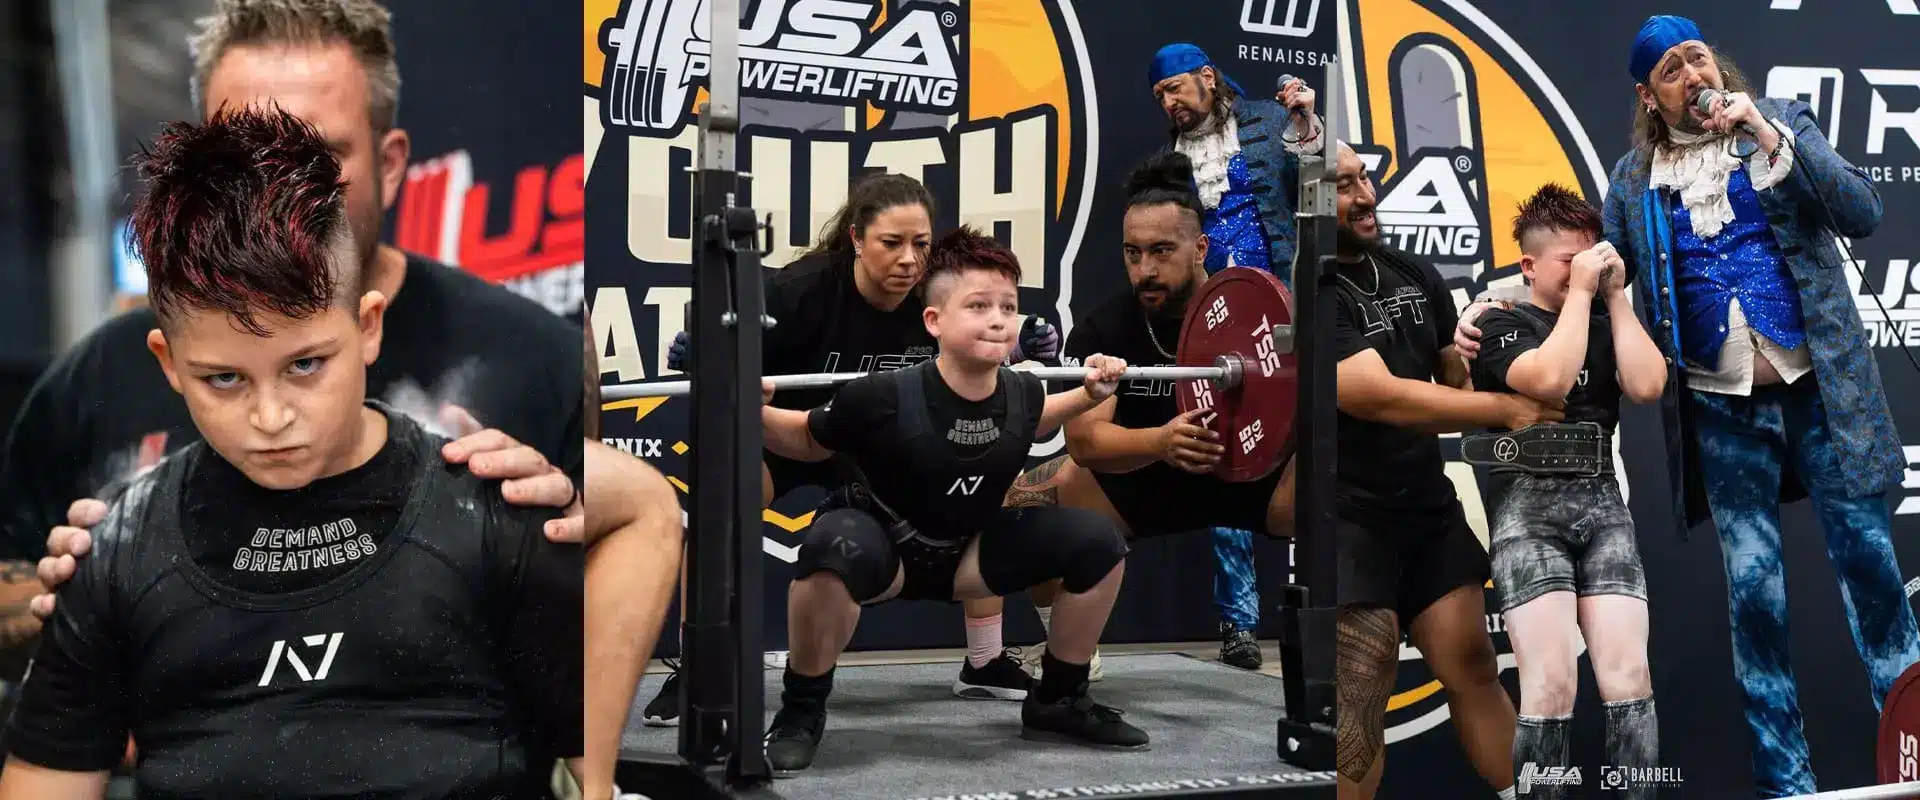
1235 314
1898 749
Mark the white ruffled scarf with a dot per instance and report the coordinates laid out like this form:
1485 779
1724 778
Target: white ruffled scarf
1699 165
1210 147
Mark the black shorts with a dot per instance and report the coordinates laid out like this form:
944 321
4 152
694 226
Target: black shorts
1159 500
1020 548
1409 565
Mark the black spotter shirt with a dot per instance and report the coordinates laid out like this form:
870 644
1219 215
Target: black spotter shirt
1388 472
945 465
826 325
1120 328
444 664
103 411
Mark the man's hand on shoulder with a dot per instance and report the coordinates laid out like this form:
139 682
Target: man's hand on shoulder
65 545
527 477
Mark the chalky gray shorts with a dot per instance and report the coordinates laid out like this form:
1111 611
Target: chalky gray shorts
1564 534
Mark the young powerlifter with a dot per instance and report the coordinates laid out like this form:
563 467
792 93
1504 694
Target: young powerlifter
852 305
310 571
934 448
1562 541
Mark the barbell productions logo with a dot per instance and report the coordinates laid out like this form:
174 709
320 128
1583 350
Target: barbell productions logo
833 52
1621 779
990 103
1422 76
1532 774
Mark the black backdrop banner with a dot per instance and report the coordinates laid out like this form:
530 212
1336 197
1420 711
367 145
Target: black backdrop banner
1028 116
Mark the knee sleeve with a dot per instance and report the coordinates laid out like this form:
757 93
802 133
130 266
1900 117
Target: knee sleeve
849 543
1088 549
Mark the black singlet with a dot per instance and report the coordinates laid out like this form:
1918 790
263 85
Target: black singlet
444 664
941 462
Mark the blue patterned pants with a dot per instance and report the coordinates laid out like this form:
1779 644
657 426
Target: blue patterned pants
1744 442
1233 578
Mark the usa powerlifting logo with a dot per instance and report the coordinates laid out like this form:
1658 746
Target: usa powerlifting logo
841 53
1423 74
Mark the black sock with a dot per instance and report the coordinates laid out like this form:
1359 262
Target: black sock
1540 742
1633 740
1060 680
802 690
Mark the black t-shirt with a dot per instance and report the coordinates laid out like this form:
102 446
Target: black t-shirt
1386 471
940 461
825 325
103 411
1119 328
1506 335
446 663
261 540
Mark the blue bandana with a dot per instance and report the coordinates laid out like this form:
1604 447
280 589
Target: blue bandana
1180 58
1658 35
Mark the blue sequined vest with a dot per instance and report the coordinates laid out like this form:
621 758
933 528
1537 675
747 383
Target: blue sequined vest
1234 226
1742 261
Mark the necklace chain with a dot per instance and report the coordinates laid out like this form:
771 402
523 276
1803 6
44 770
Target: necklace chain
1376 278
1155 337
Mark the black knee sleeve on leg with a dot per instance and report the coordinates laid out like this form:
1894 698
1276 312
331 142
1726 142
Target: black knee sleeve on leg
849 543
1089 549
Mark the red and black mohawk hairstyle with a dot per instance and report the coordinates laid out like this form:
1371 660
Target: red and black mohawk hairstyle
243 215
1555 208
966 248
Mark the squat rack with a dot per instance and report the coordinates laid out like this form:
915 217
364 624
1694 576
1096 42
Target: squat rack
721 731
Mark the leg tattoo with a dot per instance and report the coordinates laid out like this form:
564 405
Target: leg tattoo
1036 486
1633 740
1541 742
1369 651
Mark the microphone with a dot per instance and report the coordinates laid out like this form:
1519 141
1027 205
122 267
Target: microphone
1281 86
1710 100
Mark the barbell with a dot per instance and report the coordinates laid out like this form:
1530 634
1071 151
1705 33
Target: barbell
1225 374
1236 360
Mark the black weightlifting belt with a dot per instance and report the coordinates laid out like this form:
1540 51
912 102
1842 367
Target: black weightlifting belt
857 495
1582 449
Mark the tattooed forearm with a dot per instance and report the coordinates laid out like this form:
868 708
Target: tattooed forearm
1038 486
19 628
1368 653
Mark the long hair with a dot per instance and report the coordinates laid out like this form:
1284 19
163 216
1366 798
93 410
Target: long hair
1165 178
867 199
1650 131
1224 98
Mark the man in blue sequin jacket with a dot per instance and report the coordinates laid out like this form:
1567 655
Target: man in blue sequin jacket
1247 172
1727 223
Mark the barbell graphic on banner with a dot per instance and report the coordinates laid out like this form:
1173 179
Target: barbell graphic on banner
1236 360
